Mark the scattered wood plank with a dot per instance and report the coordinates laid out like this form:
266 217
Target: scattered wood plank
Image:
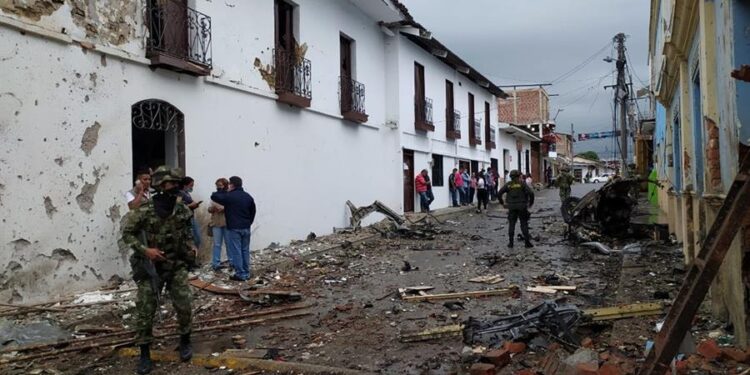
432 333
209 286
624 311
565 288
414 290
541 289
489 279
473 294
31 307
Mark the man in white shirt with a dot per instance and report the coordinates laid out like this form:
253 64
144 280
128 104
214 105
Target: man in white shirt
139 194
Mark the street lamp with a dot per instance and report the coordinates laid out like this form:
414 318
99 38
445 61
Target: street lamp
557 113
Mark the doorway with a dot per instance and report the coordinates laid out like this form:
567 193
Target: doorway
408 180
158 135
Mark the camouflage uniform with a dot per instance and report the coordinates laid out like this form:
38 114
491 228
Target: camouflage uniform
173 236
563 182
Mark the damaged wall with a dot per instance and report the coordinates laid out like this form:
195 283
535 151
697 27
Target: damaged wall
65 128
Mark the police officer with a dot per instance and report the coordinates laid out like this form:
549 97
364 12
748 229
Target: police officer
160 235
520 199
563 182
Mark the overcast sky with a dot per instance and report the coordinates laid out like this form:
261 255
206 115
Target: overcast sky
539 41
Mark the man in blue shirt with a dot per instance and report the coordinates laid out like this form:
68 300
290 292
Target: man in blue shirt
239 210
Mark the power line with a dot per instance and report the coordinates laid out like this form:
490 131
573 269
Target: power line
580 66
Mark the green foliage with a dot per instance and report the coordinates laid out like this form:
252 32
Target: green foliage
591 155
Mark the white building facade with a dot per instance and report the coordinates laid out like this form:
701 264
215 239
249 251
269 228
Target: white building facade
311 103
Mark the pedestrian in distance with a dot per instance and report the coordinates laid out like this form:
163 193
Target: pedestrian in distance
239 210
491 180
563 182
422 186
459 181
520 198
482 193
452 189
160 235
472 187
217 228
466 180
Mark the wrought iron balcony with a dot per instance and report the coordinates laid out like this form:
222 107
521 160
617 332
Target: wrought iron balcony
453 124
491 139
179 37
477 132
353 100
293 78
423 114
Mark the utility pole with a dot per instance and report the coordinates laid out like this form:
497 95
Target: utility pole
621 93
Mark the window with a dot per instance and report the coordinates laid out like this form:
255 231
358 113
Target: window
179 37
293 72
437 170
422 105
472 136
352 92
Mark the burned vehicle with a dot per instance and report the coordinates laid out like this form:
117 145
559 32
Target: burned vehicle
606 211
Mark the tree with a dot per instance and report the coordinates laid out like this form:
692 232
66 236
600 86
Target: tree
591 155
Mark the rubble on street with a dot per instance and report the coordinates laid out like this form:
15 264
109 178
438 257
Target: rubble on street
345 304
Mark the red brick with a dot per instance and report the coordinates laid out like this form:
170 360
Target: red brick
587 343
482 369
589 368
734 354
554 346
682 367
609 369
515 347
709 350
498 357
604 356
713 154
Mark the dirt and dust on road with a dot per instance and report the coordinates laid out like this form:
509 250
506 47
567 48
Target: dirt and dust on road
446 296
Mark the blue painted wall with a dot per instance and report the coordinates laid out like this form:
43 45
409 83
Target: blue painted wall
741 23
676 142
660 140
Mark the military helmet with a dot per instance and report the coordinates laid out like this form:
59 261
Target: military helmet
515 173
165 174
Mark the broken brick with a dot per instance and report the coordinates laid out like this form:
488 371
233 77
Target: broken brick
682 367
734 354
554 346
587 368
587 342
609 369
482 369
604 356
709 350
515 347
498 357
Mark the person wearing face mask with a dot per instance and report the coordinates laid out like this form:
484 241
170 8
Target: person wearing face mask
160 235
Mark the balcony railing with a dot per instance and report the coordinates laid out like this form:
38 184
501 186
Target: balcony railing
423 115
477 132
293 78
353 100
490 141
453 124
179 37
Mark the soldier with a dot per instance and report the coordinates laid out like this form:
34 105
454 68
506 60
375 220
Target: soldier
520 199
563 182
160 235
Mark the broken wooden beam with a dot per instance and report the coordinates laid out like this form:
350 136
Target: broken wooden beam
239 363
432 333
473 294
624 311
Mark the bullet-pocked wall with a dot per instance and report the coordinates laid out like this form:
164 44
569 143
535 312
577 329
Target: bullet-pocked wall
65 121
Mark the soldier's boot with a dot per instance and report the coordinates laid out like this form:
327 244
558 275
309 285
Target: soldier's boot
528 243
144 363
186 349
510 242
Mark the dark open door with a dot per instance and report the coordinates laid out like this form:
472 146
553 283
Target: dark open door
419 92
346 73
169 26
449 108
409 181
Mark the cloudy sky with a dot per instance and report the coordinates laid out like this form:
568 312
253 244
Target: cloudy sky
542 41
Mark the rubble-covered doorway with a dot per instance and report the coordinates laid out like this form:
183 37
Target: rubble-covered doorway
158 135
409 176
